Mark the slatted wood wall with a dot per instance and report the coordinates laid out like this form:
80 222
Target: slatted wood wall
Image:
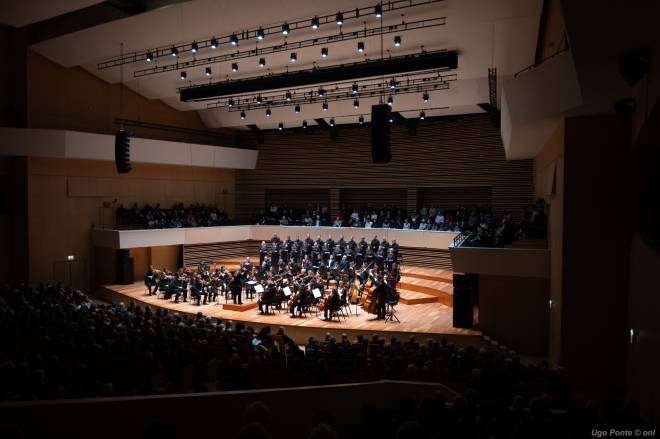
454 197
298 198
464 151
374 197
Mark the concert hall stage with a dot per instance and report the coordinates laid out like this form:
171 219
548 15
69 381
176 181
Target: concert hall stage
424 311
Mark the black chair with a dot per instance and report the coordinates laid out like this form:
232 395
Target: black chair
390 313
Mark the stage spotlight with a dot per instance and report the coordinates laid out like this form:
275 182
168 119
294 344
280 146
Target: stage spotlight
378 10
332 122
324 52
391 119
280 126
392 84
397 41
214 43
390 101
315 23
260 100
360 46
183 75
150 56
361 120
285 29
325 106
304 124
262 62
207 71
340 19
230 103
194 47
268 112
234 40
293 57
356 104
174 51
354 88
321 92
242 114
422 115
288 96
425 97
234 67
297 109
260 34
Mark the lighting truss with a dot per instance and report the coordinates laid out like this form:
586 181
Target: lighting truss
251 34
417 82
337 38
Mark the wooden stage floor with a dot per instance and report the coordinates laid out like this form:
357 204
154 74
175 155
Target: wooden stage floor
423 320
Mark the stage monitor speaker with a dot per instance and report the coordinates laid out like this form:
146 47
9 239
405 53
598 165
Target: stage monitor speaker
124 266
465 298
381 151
122 152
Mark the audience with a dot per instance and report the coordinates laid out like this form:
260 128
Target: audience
148 217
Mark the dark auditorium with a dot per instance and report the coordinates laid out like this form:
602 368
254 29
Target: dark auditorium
303 219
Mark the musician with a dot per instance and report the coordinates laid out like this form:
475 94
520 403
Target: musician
395 247
275 253
236 287
275 238
285 250
319 241
352 243
380 290
326 252
390 259
341 243
369 255
380 258
306 263
338 252
266 298
309 241
248 265
197 290
149 280
300 299
348 252
343 264
375 243
265 267
316 254
332 304
295 251
263 251
330 242
385 244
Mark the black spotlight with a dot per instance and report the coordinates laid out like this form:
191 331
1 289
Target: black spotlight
260 100
361 120
360 46
354 88
324 52
234 40
378 11
425 97
356 103
214 43
194 47
150 56
297 109
332 122
392 84
321 92
422 115
268 112
293 57
174 51
315 23
234 67
340 19
325 106
262 62
390 101
242 114
183 75
288 96
280 126
122 152
304 124
260 34
285 29
397 41
230 102
207 71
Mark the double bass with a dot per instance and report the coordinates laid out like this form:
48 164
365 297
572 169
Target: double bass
369 299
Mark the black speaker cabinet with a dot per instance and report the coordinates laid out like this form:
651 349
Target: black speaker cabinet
124 265
381 151
465 298
122 152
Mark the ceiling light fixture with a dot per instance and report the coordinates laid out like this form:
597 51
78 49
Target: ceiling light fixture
194 47
230 103
207 71
354 88
260 34
285 29
340 19
304 124
361 120
360 46
332 122
268 112
315 23
325 106
297 109
260 100
234 67
390 101
262 62
183 75
234 40
356 103
174 51
378 10
324 52
293 57
242 114
425 97
280 126
150 56
288 96
214 43
392 83
422 115
397 41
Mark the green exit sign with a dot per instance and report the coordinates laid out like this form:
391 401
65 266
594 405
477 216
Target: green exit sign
70 258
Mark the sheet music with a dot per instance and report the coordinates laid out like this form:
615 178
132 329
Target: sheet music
316 293
287 291
258 288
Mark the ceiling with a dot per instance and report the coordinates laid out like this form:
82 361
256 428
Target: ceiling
486 33
21 13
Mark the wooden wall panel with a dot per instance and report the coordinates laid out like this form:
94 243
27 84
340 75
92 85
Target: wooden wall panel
454 197
374 197
298 198
460 151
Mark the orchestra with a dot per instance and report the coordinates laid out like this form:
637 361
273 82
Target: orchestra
301 276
